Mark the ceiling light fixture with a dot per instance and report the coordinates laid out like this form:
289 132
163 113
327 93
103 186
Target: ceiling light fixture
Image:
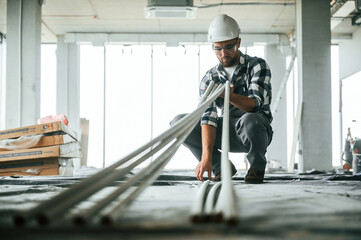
341 13
165 9
345 9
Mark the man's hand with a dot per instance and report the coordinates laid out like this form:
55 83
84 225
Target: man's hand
204 165
230 91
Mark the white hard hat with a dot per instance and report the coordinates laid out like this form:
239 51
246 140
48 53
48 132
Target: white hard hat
223 28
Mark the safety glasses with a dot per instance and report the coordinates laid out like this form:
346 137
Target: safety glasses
226 48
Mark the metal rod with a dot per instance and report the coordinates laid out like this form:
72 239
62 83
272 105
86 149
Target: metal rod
111 214
198 204
70 196
47 216
211 201
131 181
114 213
207 92
81 219
226 204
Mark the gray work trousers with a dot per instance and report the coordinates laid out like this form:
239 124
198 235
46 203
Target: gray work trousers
251 134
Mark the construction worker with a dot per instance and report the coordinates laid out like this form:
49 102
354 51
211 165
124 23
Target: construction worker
250 98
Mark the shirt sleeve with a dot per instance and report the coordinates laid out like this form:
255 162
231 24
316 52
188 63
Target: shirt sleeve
260 83
209 116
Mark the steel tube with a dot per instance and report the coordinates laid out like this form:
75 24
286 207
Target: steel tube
226 204
112 214
131 181
72 193
207 92
198 204
47 216
211 200
120 207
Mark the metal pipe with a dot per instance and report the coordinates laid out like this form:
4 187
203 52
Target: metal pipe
207 92
111 214
52 213
70 196
114 213
226 204
211 200
198 204
81 219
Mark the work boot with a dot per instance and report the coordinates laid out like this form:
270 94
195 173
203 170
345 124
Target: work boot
218 177
254 176
347 167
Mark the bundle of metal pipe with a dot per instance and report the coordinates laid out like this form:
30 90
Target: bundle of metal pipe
222 206
107 209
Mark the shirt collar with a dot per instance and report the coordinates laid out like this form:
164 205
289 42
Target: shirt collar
222 73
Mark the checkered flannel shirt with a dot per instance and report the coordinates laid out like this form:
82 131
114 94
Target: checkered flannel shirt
251 78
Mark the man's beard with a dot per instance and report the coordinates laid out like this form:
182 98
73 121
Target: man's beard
228 61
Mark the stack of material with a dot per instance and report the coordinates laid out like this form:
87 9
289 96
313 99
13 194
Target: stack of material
44 149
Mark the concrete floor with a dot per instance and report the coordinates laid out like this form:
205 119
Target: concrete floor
286 206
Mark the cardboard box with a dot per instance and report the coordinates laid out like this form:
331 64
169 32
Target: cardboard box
37 129
70 150
32 167
42 172
41 163
44 141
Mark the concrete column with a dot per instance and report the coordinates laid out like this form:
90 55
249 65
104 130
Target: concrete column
314 74
23 62
74 87
61 76
13 66
277 151
68 82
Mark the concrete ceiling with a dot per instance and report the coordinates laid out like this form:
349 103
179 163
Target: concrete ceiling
122 16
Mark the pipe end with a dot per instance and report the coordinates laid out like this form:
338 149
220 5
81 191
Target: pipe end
106 221
232 221
79 221
196 219
19 221
42 219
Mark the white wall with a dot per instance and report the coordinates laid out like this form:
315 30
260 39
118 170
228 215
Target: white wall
350 55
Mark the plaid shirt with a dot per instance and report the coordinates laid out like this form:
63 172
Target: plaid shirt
251 78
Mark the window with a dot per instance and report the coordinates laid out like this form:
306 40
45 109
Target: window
48 80
128 100
146 86
92 100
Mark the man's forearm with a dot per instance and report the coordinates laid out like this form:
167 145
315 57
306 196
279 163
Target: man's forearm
242 102
208 139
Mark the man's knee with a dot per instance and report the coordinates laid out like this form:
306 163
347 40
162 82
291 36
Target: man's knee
250 122
176 119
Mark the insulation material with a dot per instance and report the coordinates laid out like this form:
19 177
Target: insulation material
19 143
33 141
